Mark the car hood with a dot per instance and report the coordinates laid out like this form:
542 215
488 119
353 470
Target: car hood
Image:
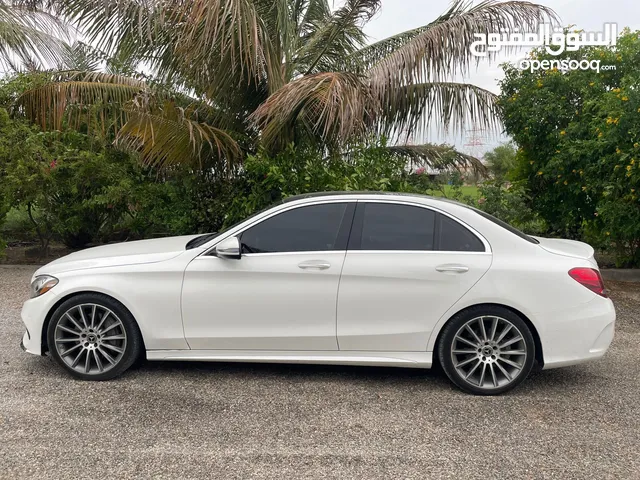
118 254
568 248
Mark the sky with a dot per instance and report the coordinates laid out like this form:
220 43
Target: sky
396 16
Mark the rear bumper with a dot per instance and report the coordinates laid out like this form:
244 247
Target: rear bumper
577 335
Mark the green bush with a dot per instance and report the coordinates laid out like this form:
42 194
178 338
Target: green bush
265 179
579 139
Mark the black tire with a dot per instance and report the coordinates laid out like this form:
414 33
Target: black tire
482 358
128 328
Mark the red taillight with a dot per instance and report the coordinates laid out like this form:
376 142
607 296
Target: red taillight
590 278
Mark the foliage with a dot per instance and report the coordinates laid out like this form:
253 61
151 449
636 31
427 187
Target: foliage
500 161
579 139
226 79
267 179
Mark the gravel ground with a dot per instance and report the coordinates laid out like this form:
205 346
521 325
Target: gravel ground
181 420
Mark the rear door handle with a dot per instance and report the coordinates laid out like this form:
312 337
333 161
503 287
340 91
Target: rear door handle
314 265
451 268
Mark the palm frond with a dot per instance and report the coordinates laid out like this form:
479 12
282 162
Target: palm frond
167 137
443 49
26 33
331 107
339 36
67 95
438 157
446 105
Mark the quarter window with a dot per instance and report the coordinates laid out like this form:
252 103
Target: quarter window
305 229
453 237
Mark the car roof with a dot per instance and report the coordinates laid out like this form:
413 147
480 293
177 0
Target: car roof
304 196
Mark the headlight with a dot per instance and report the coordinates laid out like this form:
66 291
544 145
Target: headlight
42 284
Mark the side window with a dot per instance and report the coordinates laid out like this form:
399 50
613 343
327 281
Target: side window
389 226
305 229
453 237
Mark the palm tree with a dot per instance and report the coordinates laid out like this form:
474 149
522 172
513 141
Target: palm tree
218 78
29 37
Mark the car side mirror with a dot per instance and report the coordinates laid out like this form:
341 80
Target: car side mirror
229 248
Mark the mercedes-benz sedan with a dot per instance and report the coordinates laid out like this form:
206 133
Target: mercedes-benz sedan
353 279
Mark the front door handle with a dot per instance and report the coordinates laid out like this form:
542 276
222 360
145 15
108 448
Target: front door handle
314 265
452 268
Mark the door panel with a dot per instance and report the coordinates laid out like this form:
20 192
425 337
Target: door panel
406 265
262 302
281 294
391 301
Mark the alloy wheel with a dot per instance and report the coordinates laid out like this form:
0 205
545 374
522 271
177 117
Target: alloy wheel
489 352
90 339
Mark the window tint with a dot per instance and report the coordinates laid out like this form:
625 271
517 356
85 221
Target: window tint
304 229
388 226
453 237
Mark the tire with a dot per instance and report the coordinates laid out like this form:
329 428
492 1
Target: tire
94 337
484 359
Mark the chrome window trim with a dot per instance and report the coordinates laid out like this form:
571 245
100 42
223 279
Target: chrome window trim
284 208
485 242
279 209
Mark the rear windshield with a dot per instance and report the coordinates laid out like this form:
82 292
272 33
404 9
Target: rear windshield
505 225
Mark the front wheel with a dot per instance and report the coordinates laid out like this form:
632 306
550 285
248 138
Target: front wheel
93 337
486 350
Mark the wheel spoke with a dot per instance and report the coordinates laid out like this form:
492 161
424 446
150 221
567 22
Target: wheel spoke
511 342
93 315
109 328
468 342
513 352
504 372
115 337
116 349
67 340
461 352
484 369
466 362
475 367
84 320
494 327
77 359
109 358
98 362
469 329
87 363
509 362
68 330
73 321
504 332
67 352
482 329
104 317
493 375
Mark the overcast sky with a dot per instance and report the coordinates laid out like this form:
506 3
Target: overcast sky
396 16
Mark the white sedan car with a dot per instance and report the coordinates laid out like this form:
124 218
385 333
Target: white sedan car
352 278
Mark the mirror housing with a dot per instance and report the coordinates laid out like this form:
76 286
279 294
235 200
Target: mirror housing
229 248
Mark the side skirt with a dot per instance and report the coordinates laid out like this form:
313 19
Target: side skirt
382 359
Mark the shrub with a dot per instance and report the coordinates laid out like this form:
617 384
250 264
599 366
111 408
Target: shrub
579 139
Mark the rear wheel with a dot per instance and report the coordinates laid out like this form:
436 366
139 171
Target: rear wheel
93 337
486 350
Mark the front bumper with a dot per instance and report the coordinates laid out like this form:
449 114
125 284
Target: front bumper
34 312
577 335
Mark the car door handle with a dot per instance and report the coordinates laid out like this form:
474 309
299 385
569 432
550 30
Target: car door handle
450 268
314 265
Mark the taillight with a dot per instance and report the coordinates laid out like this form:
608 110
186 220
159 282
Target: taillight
590 278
